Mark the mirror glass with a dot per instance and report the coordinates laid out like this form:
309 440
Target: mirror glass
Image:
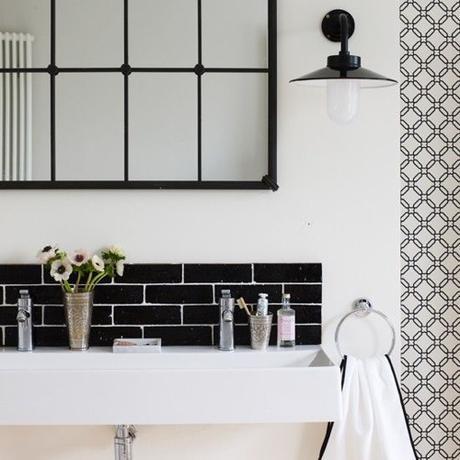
89 33
163 134
28 17
234 126
235 33
89 127
157 25
136 93
37 153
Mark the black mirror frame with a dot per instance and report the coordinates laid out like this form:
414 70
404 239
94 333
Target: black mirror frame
267 182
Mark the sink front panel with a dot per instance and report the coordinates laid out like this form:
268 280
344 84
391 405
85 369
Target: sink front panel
188 387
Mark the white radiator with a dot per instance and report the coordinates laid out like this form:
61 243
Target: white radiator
16 107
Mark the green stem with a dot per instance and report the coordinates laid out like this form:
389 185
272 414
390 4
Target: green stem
97 279
67 287
78 282
88 282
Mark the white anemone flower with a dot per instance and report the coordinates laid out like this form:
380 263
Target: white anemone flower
47 253
79 257
116 250
120 268
61 270
98 263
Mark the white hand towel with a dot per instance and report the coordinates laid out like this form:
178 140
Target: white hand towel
374 423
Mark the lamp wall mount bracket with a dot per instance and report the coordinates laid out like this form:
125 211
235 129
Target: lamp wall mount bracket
331 25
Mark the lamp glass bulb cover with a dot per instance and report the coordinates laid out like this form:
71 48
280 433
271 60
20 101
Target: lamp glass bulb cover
343 100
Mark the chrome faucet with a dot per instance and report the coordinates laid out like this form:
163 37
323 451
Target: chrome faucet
227 307
124 437
24 319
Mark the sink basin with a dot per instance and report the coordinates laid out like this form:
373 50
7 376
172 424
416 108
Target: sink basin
180 385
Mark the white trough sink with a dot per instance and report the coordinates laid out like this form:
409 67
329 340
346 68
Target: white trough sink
180 385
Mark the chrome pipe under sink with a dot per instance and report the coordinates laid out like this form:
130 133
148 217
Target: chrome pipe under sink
123 442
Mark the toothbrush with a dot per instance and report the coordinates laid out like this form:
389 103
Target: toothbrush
242 304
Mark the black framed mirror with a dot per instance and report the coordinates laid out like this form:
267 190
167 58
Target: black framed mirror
138 94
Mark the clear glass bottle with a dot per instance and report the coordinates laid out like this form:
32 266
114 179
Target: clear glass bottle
286 323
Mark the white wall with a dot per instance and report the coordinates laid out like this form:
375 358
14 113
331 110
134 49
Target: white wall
338 204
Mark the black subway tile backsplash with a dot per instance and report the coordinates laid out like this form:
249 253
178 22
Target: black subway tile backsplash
50 337
177 302
308 335
112 294
40 294
54 315
104 336
11 336
20 274
217 273
201 314
287 273
178 294
151 273
147 314
102 314
307 314
181 335
304 293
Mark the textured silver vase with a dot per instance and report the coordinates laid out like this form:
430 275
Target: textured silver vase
78 312
260 328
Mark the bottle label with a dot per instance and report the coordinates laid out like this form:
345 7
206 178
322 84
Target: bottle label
287 328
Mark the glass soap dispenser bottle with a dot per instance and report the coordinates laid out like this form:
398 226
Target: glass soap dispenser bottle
286 323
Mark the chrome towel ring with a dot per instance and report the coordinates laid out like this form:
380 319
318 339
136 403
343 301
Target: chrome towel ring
362 308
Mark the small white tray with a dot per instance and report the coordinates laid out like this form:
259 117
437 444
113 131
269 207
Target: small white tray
136 345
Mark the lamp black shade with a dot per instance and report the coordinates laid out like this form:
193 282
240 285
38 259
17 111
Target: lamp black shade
367 78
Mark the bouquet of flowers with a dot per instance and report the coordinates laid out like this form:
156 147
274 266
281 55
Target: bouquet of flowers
90 269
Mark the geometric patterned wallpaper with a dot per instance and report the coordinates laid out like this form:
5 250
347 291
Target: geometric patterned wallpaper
430 223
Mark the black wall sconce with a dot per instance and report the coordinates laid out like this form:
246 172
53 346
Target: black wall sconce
343 76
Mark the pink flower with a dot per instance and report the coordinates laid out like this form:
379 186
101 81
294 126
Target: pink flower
47 253
79 257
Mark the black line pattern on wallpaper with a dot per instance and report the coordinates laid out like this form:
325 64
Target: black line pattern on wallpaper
430 120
